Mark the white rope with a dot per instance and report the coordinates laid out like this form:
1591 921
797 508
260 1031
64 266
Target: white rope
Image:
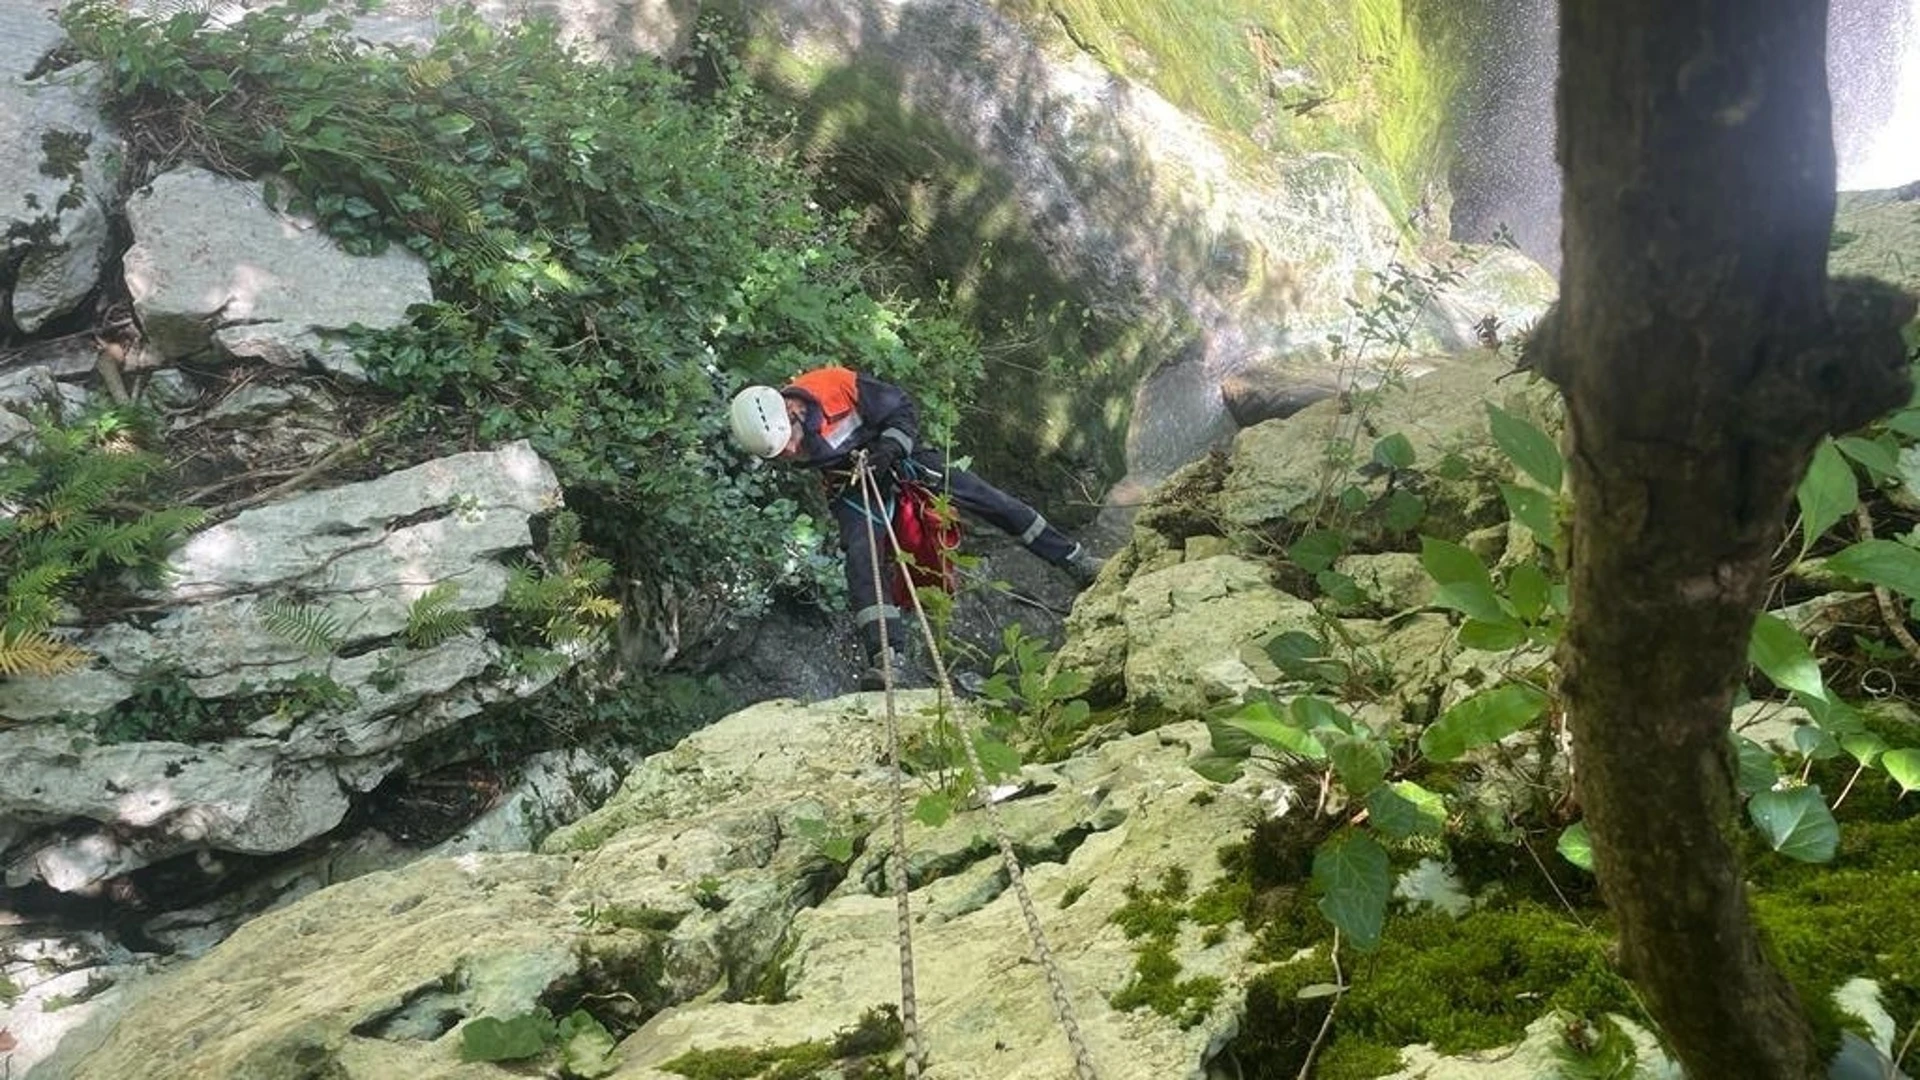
903 908
1056 983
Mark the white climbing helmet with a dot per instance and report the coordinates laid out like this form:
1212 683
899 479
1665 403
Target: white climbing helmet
760 423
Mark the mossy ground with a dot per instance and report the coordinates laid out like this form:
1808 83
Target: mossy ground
861 1052
1476 982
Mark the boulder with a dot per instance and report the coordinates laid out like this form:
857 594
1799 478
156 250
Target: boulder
214 267
350 561
59 163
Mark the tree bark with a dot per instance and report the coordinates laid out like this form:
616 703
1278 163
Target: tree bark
1701 361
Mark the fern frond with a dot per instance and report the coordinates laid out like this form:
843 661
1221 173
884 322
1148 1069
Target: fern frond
598 608
432 618
93 479
31 653
563 536
313 629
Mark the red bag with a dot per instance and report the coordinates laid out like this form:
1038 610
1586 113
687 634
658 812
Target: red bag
928 537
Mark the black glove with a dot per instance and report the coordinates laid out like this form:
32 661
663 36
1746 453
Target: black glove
886 451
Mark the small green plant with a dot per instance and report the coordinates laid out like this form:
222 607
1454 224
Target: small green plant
1042 713
433 619
837 846
70 517
586 1049
313 628
560 599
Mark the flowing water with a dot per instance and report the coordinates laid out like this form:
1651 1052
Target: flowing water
1507 176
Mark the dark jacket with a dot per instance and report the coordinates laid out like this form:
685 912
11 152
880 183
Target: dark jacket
848 411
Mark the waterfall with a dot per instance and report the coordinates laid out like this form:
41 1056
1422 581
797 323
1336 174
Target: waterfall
1873 69
1506 176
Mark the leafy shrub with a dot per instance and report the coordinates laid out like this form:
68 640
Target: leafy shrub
611 257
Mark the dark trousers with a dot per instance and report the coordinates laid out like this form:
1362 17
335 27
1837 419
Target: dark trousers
858 535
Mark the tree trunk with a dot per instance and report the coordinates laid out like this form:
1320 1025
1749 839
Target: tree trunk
1700 363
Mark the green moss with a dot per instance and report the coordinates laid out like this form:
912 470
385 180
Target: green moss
1858 916
1073 894
1467 984
9 990
1157 984
855 1053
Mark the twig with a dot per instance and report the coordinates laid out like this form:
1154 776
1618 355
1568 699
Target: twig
1857 770
1896 623
108 365
1326 1022
1552 884
1906 1044
327 461
234 480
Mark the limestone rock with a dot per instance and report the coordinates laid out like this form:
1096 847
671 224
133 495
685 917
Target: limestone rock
355 556
699 864
1186 625
213 265
58 164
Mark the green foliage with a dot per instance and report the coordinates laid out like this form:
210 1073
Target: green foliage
163 707
837 846
586 1047
559 600
1043 714
70 519
612 255
314 629
432 618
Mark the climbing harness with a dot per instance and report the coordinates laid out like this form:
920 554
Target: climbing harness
1056 985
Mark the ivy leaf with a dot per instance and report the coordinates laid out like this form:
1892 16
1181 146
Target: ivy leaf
934 809
1393 452
1576 846
1317 549
1220 770
1880 562
1486 717
1260 720
1781 654
997 759
1465 584
1796 823
1529 590
1880 457
1406 809
1826 494
1528 446
1360 762
1865 747
1314 714
1533 509
586 1047
1350 873
1904 767
1492 637
1758 772
489 1038
1404 511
